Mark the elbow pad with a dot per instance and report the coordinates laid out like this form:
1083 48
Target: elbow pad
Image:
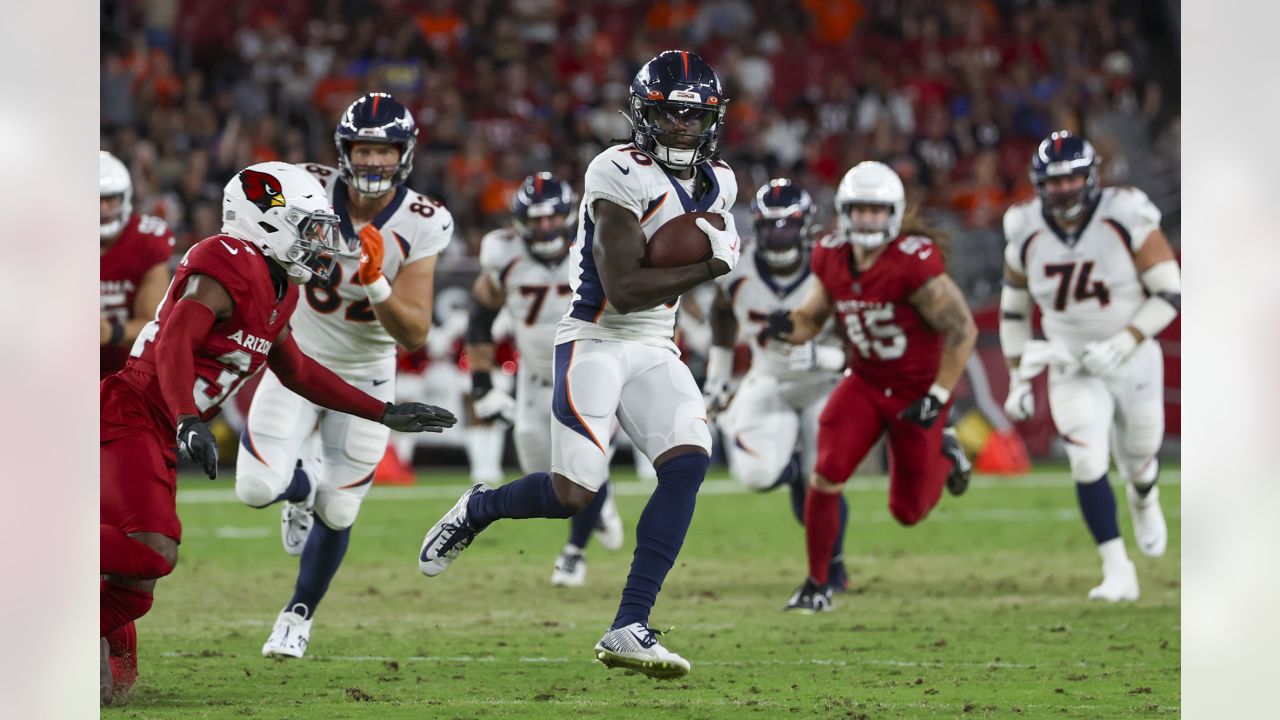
1015 320
480 324
1164 283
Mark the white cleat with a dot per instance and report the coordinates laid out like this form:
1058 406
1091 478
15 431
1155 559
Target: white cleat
448 537
290 635
608 530
1119 582
636 647
571 568
296 519
1149 528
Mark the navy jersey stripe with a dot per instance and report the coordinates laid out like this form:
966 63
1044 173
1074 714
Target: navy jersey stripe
591 299
561 402
404 244
708 198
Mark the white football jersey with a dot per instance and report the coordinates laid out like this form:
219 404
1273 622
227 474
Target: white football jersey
625 176
336 324
753 293
1087 286
535 294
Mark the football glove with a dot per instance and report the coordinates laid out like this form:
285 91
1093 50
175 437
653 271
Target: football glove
493 404
196 443
725 244
417 417
1102 357
776 325
1021 403
715 392
370 268
812 356
925 411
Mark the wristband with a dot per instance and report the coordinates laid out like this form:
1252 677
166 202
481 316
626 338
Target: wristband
117 332
939 392
379 290
481 383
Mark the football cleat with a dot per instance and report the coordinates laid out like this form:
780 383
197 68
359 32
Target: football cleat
810 598
1149 528
571 568
106 682
1119 582
296 519
448 537
290 635
636 647
837 575
608 529
958 478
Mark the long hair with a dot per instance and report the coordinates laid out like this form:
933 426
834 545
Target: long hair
913 223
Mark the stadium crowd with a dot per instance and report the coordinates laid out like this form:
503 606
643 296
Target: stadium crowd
952 94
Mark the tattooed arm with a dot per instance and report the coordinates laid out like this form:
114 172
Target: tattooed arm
942 306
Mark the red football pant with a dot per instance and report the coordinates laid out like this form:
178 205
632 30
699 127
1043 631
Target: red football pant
855 416
139 486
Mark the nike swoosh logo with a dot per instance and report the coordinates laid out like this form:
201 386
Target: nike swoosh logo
230 249
638 638
446 227
624 171
376 383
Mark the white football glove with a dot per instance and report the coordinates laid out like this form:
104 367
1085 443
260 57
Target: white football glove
1102 357
494 404
725 244
812 356
715 392
1021 403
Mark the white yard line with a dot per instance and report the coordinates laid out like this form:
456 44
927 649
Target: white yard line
715 486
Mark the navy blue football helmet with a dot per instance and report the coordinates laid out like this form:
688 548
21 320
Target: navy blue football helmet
375 118
1059 155
677 109
544 213
783 216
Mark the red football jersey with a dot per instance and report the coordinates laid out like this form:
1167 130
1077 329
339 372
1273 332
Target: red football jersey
234 349
144 242
889 345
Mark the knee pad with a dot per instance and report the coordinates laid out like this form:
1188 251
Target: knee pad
337 511
255 487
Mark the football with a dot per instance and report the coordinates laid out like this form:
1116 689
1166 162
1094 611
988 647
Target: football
679 242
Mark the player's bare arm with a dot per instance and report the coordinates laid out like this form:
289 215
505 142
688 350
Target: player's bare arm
942 306
808 319
619 254
406 315
150 292
724 324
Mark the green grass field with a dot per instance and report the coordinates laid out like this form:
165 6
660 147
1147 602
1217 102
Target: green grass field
980 611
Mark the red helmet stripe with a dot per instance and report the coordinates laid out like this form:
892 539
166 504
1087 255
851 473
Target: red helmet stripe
374 111
537 183
684 55
1057 144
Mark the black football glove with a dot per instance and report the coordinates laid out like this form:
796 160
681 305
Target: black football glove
923 412
417 417
776 325
196 443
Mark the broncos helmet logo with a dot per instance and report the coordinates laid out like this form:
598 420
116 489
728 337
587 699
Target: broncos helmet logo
262 189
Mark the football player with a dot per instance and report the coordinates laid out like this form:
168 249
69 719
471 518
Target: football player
615 353
909 334
524 268
1096 263
134 264
778 401
225 315
379 295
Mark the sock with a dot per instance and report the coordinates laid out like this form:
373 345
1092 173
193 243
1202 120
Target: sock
119 605
120 554
821 524
797 489
660 534
321 557
837 547
1098 504
532 496
299 487
581 525
123 642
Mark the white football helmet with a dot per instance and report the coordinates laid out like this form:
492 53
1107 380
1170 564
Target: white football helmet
870 183
113 179
282 209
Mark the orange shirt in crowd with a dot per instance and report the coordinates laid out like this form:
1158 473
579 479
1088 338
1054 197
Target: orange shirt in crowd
834 20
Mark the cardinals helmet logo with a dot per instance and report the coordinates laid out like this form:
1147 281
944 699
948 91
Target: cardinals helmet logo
262 189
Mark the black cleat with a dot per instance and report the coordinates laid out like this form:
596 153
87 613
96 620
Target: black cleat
958 478
810 598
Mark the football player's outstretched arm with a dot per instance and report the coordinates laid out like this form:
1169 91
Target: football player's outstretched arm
155 282
204 302
619 254
805 322
403 308
1015 316
942 306
322 386
724 332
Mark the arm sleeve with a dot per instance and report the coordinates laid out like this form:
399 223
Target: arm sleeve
320 385
176 345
